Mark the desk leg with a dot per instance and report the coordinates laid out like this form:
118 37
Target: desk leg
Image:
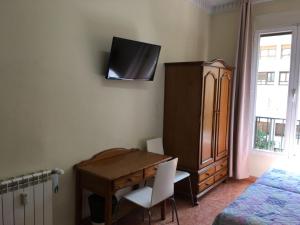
108 210
78 199
163 210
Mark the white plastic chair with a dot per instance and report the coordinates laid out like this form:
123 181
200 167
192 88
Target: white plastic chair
162 190
156 146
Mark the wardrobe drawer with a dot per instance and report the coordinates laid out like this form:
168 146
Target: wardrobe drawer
207 183
150 171
221 165
128 180
204 175
220 174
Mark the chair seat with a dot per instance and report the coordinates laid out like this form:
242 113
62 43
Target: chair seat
141 197
180 175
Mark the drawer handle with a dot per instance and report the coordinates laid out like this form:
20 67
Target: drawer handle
129 179
208 174
207 184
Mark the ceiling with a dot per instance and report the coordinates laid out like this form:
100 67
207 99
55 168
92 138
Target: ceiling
220 5
213 3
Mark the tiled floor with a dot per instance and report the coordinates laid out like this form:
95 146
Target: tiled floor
209 206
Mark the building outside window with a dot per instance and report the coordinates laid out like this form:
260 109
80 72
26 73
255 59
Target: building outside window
266 78
284 78
268 51
285 51
272 83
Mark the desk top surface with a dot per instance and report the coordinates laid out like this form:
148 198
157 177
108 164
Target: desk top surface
111 166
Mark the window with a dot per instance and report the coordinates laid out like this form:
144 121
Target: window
268 51
266 78
271 122
285 51
284 78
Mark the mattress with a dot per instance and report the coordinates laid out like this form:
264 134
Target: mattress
273 200
283 179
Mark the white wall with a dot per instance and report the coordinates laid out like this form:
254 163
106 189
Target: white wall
260 162
56 107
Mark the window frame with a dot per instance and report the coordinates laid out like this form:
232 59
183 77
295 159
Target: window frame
287 76
267 81
282 49
293 83
268 48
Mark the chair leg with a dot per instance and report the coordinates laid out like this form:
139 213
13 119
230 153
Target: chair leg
191 190
172 212
149 216
143 215
117 208
175 209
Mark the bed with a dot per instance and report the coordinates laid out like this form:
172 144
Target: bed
282 179
274 199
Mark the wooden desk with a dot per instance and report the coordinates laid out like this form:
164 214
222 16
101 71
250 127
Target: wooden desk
112 170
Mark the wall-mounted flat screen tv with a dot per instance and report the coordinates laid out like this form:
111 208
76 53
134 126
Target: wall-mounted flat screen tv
132 60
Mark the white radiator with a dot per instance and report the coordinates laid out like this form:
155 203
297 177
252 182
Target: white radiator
27 200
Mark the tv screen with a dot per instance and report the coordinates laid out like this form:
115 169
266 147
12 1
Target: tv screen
132 60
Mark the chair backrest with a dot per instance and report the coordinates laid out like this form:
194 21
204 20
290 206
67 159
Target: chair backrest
163 186
155 146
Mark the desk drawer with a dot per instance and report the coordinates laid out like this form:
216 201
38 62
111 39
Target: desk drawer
128 180
207 174
150 171
207 183
222 165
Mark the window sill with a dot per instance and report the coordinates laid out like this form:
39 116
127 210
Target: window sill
266 152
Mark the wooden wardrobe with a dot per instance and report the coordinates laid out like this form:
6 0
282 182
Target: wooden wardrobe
196 121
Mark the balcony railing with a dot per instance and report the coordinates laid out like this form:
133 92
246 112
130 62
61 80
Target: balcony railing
269 133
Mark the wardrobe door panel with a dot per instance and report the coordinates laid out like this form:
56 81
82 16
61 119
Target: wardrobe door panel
223 114
209 91
181 114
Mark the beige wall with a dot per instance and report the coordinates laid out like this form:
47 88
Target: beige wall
266 15
276 6
56 107
224 25
223 36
